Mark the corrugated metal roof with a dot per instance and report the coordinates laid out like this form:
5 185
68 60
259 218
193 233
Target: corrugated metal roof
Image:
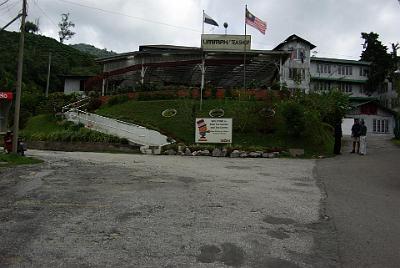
331 60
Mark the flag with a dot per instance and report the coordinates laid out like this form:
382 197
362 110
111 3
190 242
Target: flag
256 22
209 20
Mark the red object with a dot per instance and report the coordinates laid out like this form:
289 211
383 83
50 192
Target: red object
369 108
8 143
255 22
6 95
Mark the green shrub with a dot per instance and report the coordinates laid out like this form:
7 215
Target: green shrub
293 118
117 100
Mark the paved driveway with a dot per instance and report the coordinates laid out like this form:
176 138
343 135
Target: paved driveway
364 200
116 210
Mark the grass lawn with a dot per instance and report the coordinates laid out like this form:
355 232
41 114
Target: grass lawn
13 159
248 126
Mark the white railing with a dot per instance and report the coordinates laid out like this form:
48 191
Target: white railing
133 133
76 105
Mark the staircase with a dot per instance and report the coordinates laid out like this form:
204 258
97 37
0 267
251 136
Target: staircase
150 141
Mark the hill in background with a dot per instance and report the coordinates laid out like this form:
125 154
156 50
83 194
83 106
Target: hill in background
92 50
65 60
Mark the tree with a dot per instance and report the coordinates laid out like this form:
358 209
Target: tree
31 27
65 25
381 61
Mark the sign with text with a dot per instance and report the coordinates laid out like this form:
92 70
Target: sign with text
6 96
213 130
217 42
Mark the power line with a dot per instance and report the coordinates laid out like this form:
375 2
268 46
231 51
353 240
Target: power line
44 13
129 16
5 2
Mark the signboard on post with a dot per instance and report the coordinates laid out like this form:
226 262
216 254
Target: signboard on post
6 96
228 43
213 130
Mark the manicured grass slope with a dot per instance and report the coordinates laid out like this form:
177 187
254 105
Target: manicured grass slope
246 121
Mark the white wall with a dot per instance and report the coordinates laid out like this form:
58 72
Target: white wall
72 86
134 133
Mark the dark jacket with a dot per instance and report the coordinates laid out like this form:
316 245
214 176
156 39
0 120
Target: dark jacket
356 130
363 130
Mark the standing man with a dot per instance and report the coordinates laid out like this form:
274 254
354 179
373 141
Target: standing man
355 134
363 138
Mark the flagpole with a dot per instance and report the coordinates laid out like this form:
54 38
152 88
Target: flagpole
244 57
202 68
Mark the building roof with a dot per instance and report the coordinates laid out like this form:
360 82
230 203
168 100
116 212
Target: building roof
292 38
331 60
356 102
180 65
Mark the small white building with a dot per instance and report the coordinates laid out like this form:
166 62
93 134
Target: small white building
378 119
74 83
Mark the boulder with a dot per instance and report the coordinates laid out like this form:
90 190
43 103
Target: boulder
224 152
243 155
254 154
216 152
205 152
235 154
188 152
294 152
170 152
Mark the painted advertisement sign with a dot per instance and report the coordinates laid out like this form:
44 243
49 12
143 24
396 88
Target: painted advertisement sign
213 130
217 42
6 96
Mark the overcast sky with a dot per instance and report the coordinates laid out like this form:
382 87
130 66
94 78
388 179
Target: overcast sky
334 26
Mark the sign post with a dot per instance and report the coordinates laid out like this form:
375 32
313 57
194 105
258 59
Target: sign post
213 130
227 43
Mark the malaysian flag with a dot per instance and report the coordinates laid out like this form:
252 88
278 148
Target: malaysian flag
256 22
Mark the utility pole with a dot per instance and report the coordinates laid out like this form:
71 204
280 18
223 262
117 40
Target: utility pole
19 79
48 76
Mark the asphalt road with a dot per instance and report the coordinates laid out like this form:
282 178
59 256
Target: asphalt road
115 210
364 200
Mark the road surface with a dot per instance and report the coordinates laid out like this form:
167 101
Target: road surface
364 200
121 210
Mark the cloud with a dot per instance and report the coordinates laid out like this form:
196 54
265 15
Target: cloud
333 26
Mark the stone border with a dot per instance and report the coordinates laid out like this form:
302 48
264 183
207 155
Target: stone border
82 146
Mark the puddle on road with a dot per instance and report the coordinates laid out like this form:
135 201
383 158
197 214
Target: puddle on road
228 253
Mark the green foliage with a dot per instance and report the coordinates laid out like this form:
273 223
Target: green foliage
382 62
92 50
293 118
31 27
117 100
47 128
94 104
65 60
65 25
14 159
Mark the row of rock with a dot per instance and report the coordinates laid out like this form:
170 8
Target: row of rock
223 153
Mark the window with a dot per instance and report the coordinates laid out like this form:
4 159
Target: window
380 126
345 70
364 71
322 86
323 68
297 74
346 87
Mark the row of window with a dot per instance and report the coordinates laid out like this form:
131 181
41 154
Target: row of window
380 126
342 69
326 86
298 74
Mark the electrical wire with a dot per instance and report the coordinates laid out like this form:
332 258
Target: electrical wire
44 13
129 16
5 2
